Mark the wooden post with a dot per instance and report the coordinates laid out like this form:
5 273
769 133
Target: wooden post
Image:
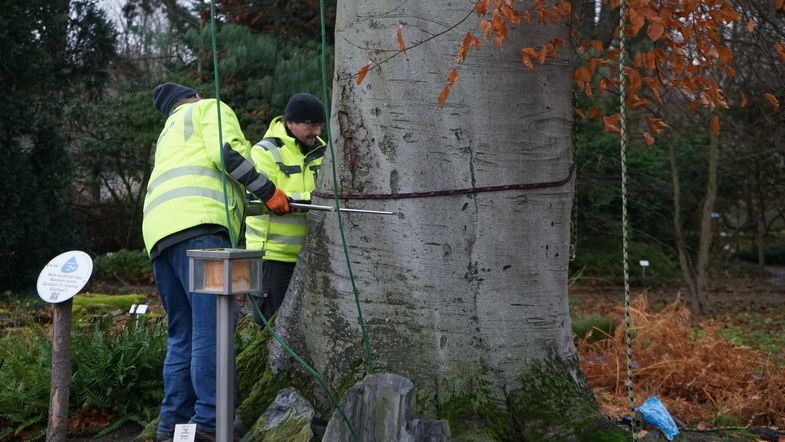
57 428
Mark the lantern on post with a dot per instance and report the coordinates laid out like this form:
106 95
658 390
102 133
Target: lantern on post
224 273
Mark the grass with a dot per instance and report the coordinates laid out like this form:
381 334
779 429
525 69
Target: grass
756 330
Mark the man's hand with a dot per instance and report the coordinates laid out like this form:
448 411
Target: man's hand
278 203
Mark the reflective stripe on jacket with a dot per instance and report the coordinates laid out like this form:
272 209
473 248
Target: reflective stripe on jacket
280 157
185 187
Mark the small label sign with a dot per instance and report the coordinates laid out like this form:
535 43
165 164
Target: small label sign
184 433
138 309
644 263
64 276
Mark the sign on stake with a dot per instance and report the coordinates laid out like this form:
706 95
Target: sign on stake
59 281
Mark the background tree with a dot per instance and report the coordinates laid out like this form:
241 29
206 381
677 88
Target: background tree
60 51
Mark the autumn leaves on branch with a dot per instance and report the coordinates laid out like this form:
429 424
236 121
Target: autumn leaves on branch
678 46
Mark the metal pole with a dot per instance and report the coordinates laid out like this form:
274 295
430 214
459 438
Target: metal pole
224 373
342 209
256 207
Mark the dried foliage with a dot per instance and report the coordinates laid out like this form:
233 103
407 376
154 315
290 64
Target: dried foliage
694 371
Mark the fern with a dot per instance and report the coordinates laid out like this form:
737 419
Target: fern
24 379
120 370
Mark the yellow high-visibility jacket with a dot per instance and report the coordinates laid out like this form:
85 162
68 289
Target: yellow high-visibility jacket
279 156
185 189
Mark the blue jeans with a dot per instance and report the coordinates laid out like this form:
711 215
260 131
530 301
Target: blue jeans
189 368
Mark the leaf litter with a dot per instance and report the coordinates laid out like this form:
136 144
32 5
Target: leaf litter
698 374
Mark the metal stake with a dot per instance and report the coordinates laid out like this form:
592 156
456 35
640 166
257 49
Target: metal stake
224 373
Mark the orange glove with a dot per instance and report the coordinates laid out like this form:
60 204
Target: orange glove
278 203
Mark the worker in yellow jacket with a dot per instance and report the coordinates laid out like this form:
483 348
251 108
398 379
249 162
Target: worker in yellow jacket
290 154
185 209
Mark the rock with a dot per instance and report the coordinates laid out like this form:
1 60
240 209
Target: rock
379 408
430 431
287 419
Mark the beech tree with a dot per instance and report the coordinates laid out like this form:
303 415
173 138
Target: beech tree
465 294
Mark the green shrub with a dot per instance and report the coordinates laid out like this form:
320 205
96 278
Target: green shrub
117 370
25 371
593 327
124 266
773 254
602 258
120 370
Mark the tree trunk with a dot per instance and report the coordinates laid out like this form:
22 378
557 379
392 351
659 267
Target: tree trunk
685 263
760 219
706 234
464 294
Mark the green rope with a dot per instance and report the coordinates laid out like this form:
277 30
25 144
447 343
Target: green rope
314 374
232 239
366 344
625 245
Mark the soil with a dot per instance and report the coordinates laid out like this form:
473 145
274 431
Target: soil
727 294
126 433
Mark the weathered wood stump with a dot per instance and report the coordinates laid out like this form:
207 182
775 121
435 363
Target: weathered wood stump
380 410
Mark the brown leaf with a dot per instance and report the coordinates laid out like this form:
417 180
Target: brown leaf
611 123
657 125
527 61
772 100
750 25
635 25
780 49
715 125
649 139
443 95
511 14
655 31
463 49
452 77
635 102
363 72
543 53
485 25
743 103
481 8
597 46
401 44
654 88
779 4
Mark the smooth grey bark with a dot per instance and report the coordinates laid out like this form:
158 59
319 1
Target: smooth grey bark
463 294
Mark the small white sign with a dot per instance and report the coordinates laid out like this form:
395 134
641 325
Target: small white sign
644 263
141 309
64 276
133 309
184 433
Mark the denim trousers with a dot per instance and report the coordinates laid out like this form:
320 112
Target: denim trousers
189 368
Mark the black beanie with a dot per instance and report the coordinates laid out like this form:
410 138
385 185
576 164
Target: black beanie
167 95
304 107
